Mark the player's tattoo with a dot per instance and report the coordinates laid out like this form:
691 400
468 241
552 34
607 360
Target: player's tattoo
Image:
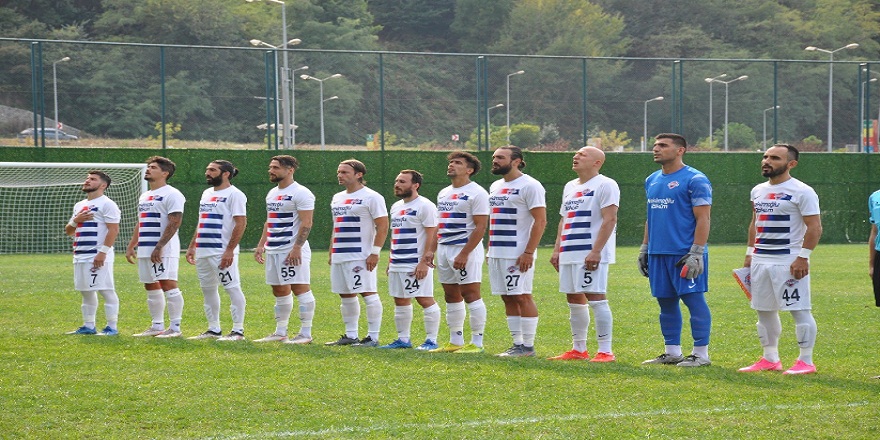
174 220
303 236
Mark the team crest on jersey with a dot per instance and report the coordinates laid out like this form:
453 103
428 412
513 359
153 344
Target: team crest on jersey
407 211
284 198
155 198
779 196
90 208
218 199
357 269
509 191
584 193
460 196
511 269
791 282
353 202
673 184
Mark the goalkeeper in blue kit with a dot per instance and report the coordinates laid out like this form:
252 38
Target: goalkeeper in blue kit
673 254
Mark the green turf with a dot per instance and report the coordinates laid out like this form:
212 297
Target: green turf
57 386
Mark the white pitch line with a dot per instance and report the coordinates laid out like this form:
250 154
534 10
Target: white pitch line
529 420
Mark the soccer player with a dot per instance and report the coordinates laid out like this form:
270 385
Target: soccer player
155 247
518 216
673 254
784 230
360 226
94 226
285 242
214 249
585 246
463 208
874 245
411 265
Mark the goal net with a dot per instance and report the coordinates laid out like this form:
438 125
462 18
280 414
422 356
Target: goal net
36 201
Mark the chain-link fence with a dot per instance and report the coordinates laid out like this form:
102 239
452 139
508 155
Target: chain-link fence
116 93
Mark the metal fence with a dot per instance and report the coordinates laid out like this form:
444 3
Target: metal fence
430 101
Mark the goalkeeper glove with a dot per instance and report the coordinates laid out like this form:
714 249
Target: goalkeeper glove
692 264
643 260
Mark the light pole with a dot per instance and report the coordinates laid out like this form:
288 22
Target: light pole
489 127
863 92
293 102
764 137
519 72
321 96
285 74
285 104
710 81
831 80
726 101
55 89
645 119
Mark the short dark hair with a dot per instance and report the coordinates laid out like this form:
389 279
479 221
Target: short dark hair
101 175
472 161
358 167
286 161
793 152
515 153
415 176
164 164
226 166
677 139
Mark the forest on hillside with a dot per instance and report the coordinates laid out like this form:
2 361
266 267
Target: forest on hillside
424 69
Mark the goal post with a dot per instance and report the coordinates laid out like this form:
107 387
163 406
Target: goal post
37 198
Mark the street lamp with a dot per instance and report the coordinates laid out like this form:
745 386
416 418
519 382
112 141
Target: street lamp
645 119
764 138
55 87
831 79
710 81
520 72
285 104
321 96
489 127
726 101
293 102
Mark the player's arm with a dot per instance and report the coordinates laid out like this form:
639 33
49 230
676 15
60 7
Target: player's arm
527 258
381 224
609 222
130 252
872 238
481 222
234 239
702 214
174 220
750 242
190 255
294 258
101 256
554 257
427 260
801 265
261 246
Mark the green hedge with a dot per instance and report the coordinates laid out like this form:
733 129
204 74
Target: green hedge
843 181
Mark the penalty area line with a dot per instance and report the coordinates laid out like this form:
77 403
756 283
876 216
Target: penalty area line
530 420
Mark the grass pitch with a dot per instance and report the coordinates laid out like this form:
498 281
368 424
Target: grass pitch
57 386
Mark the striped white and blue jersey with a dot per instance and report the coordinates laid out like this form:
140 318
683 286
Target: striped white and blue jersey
353 223
153 209
779 218
90 235
408 237
456 208
510 217
581 213
216 212
282 216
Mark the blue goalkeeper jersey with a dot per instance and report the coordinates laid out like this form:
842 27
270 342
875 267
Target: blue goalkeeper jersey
671 200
